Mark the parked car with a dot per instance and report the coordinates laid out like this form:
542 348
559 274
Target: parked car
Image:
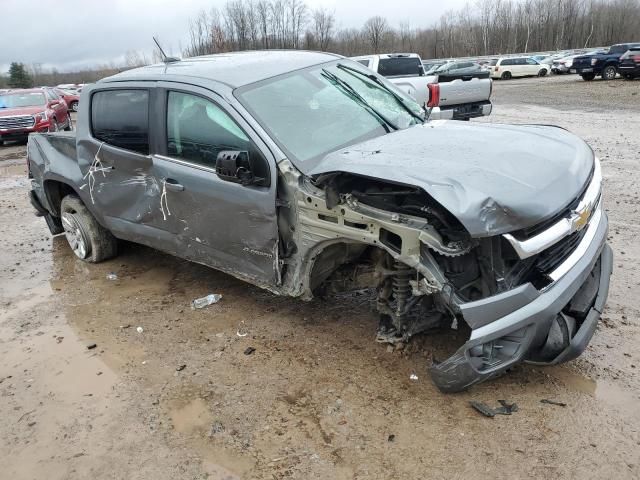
24 111
307 174
460 99
71 98
544 60
510 67
459 68
604 63
629 66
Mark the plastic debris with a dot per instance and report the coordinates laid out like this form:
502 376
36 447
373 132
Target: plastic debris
91 346
505 408
413 377
139 330
112 276
206 301
249 350
553 402
179 368
391 438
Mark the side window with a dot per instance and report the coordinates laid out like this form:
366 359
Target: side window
121 118
531 61
364 62
507 62
49 95
197 130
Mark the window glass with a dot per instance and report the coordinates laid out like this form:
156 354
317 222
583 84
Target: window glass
493 62
197 130
507 61
531 61
364 62
399 66
121 118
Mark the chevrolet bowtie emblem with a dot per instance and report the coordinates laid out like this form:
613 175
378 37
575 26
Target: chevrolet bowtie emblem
581 218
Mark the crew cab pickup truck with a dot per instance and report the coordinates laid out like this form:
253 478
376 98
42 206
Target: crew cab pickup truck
458 99
24 111
604 63
306 174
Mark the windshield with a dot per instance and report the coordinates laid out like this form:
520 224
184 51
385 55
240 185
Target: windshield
443 68
21 99
493 62
318 110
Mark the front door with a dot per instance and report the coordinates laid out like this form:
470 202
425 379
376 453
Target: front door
225 225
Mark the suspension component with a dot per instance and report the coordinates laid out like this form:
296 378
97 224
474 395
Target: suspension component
401 288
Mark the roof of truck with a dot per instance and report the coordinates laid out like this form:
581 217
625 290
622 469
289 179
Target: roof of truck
234 69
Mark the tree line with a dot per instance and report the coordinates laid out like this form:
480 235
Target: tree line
486 27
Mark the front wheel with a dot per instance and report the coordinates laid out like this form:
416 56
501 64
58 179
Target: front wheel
89 240
588 76
609 73
506 76
54 125
542 72
74 106
69 126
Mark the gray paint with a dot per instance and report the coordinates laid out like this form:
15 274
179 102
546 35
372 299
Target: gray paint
494 178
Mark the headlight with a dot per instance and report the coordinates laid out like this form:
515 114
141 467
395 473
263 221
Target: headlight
41 117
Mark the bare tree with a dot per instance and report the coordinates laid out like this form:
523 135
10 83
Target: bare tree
322 25
375 30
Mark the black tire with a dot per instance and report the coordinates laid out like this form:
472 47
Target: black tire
609 72
542 72
506 76
74 106
89 240
629 77
588 76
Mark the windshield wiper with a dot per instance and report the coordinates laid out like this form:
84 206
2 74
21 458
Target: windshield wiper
384 121
378 82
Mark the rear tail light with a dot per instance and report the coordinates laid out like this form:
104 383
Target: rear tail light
635 58
434 95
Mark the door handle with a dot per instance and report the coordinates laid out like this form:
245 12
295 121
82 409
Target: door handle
173 185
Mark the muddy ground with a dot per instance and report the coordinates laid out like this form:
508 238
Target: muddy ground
318 398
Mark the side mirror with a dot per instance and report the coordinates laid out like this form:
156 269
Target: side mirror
235 166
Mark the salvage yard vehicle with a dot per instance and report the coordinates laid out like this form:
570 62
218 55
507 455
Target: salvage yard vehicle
458 99
511 67
305 174
24 111
603 63
70 97
630 64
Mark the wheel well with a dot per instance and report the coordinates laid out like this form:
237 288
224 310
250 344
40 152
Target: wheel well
55 192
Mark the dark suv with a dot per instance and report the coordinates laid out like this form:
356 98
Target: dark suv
629 66
604 64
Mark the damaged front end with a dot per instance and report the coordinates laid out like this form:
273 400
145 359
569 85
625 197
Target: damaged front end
343 231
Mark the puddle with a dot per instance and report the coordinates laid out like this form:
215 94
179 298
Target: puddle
194 416
601 390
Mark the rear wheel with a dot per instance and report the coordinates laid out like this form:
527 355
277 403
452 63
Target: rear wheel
629 77
87 238
74 106
542 72
588 76
506 76
609 73
69 126
54 125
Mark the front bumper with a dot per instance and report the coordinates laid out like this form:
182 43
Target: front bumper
22 133
516 325
461 112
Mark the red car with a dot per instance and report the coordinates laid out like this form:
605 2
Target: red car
70 98
32 110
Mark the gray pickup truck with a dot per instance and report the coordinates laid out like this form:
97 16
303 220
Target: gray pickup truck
448 98
302 173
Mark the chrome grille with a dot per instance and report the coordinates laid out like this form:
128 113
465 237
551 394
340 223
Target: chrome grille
19 121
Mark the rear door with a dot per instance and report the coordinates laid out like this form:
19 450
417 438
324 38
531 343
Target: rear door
119 183
532 66
225 225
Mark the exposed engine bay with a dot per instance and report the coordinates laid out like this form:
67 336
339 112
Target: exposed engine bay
355 233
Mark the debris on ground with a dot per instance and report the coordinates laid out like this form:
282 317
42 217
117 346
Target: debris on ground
91 346
242 330
206 301
391 438
413 377
216 427
139 329
553 402
505 408
179 368
112 276
249 350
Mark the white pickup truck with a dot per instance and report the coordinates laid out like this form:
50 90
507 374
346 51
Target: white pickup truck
459 99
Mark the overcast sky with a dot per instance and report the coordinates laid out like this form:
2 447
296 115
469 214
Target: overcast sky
70 34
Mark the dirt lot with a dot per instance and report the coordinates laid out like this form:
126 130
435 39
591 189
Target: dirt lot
318 398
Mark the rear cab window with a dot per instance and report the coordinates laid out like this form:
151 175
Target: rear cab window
396 66
121 118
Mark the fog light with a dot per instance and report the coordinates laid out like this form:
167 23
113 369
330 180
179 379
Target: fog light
500 351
